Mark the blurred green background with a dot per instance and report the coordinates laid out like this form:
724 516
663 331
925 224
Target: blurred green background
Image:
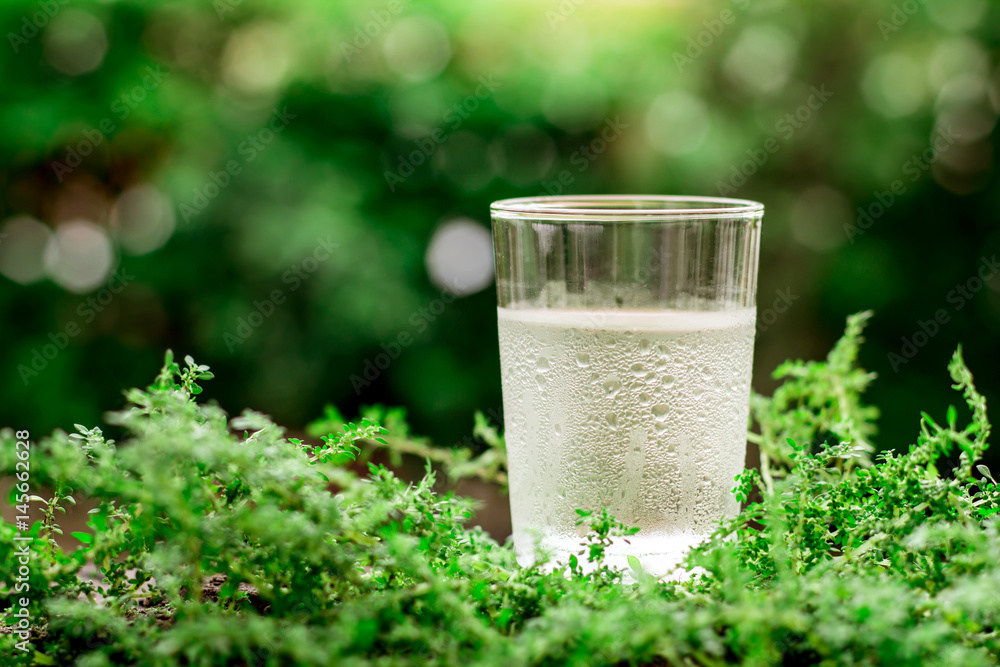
288 190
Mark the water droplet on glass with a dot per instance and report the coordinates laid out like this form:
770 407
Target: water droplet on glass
612 420
638 370
583 360
668 381
645 345
645 399
543 364
661 412
612 387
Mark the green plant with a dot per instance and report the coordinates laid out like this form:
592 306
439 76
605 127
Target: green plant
219 541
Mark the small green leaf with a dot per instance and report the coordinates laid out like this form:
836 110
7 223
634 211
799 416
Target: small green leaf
985 472
86 538
98 521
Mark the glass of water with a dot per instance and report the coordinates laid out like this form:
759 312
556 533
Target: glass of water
626 344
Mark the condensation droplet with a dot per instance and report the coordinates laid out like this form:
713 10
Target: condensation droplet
645 399
612 420
645 346
543 364
638 370
612 387
668 381
583 360
660 412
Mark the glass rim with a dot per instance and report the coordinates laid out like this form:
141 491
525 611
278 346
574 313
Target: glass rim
620 208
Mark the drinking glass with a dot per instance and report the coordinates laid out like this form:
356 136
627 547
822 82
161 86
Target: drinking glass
626 344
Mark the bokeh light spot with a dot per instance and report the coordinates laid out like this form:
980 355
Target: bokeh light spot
959 55
963 90
893 85
761 60
957 15
677 123
22 247
143 219
75 42
417 48
460 257
79 256
257 57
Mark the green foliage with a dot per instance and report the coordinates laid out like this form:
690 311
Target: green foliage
458 462
219 541
818 404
